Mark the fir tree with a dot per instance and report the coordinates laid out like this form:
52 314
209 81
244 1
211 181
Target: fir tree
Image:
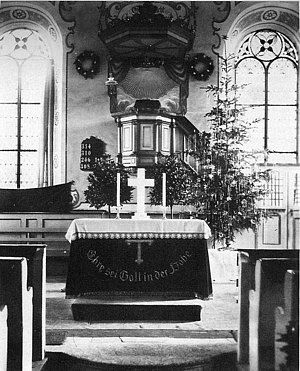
227 188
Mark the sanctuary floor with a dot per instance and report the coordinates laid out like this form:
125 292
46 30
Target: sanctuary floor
209 344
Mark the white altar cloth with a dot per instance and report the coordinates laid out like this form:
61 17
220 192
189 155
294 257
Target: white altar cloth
137 229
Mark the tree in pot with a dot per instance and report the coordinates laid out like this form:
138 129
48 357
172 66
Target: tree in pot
102 189
179 180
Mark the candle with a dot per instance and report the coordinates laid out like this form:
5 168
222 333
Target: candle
118 190
164 190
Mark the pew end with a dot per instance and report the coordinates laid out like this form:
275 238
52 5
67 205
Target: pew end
3 337
287 325
264 299
17 295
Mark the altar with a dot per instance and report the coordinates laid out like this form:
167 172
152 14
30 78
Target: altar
131 257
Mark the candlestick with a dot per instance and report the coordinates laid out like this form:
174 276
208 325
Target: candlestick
164 194
118 194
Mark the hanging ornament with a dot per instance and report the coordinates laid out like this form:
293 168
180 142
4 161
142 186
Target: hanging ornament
87 64
201 67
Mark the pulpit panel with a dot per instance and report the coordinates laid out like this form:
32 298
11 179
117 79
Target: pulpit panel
146 137
127 138
165 146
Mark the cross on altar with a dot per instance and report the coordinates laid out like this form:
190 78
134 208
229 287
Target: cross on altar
139 259
140 183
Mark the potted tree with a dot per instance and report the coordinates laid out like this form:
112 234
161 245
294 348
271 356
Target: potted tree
102 188
179 181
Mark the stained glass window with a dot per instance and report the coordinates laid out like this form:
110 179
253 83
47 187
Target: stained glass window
24 70
267 63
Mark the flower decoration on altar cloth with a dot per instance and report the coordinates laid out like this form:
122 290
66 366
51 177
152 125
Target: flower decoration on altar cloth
201 67
87 64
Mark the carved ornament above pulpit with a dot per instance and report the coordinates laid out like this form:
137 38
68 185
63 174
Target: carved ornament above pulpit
148 42
147 29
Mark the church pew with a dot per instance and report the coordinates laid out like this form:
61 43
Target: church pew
287 325
15 293
246 260
36 260
268 294
3 337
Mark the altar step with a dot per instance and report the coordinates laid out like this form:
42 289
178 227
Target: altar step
142 354
95 309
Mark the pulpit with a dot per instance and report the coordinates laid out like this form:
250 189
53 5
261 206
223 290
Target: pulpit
149 259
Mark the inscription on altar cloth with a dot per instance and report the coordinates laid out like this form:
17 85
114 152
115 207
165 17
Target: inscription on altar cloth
124 275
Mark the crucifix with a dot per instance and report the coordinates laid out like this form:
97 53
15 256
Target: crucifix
140 183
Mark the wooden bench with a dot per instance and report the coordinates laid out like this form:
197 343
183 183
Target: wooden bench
246 281
17 296
36 260
287 325
264 299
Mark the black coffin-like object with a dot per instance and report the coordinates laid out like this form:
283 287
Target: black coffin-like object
56 198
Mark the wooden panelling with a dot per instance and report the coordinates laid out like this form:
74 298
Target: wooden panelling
46 228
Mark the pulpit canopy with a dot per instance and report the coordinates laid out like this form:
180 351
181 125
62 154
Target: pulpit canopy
147 29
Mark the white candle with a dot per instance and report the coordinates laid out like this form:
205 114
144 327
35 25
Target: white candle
164 190
118 189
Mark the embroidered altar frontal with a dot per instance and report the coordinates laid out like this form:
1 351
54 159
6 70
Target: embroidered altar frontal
136 257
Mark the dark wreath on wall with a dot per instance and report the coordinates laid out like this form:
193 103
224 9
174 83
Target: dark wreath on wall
201 67
87 64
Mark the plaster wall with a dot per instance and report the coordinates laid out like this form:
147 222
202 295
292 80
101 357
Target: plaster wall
87 104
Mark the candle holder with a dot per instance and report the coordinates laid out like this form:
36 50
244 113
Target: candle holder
164 195
118 194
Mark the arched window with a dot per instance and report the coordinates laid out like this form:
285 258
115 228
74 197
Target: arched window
34 48
26 107
267 67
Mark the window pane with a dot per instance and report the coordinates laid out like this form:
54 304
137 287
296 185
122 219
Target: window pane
282 82
281 158
8 80
8 125
256 133
282 125
251 72
8 169
31 126
29 169
33 84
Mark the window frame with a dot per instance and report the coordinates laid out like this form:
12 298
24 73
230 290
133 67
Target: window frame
20 104
266 105
51 21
